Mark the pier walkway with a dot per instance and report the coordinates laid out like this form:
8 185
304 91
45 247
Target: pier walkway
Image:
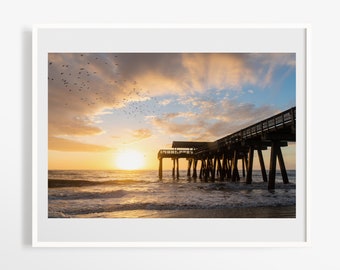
219 159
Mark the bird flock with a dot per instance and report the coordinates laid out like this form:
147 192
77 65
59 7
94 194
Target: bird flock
96 80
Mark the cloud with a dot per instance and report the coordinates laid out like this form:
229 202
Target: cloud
186 73
265 65
213 120
165 102
60 125
217 71
141 133
137 135
66 145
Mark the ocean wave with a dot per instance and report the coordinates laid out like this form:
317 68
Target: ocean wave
61 183
87 195
236 186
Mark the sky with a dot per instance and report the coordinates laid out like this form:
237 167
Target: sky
101 105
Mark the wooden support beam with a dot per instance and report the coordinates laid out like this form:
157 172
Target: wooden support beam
194 169
263 168
272 166
243 169
160 168
207 169
276 152
224 167
228 168
189 167
214 169
235 175
219 169
177 171
202 168
173 167
282 166
246 161
250 165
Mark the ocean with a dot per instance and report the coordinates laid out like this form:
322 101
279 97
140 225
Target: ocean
140 194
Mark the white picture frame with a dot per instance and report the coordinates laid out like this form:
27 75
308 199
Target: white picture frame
167 232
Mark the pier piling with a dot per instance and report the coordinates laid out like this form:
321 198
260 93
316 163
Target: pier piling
272 165
194 169
160 169
250 165
263 168
282 166
189 167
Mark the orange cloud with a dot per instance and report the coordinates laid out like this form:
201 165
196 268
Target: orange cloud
141 133
214 119
60 144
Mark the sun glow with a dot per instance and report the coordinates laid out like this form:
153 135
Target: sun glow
130 160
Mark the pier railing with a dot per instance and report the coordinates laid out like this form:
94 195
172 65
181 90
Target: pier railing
169 153
272 124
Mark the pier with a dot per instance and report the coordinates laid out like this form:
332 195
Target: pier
218 160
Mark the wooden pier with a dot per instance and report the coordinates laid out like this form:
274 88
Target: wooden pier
219 159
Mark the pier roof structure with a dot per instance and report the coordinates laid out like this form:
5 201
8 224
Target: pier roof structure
189 144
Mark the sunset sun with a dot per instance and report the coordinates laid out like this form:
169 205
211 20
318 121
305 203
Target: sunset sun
130 160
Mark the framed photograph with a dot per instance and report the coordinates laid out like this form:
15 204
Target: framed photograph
170 136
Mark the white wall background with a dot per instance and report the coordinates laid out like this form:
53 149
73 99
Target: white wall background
17 18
